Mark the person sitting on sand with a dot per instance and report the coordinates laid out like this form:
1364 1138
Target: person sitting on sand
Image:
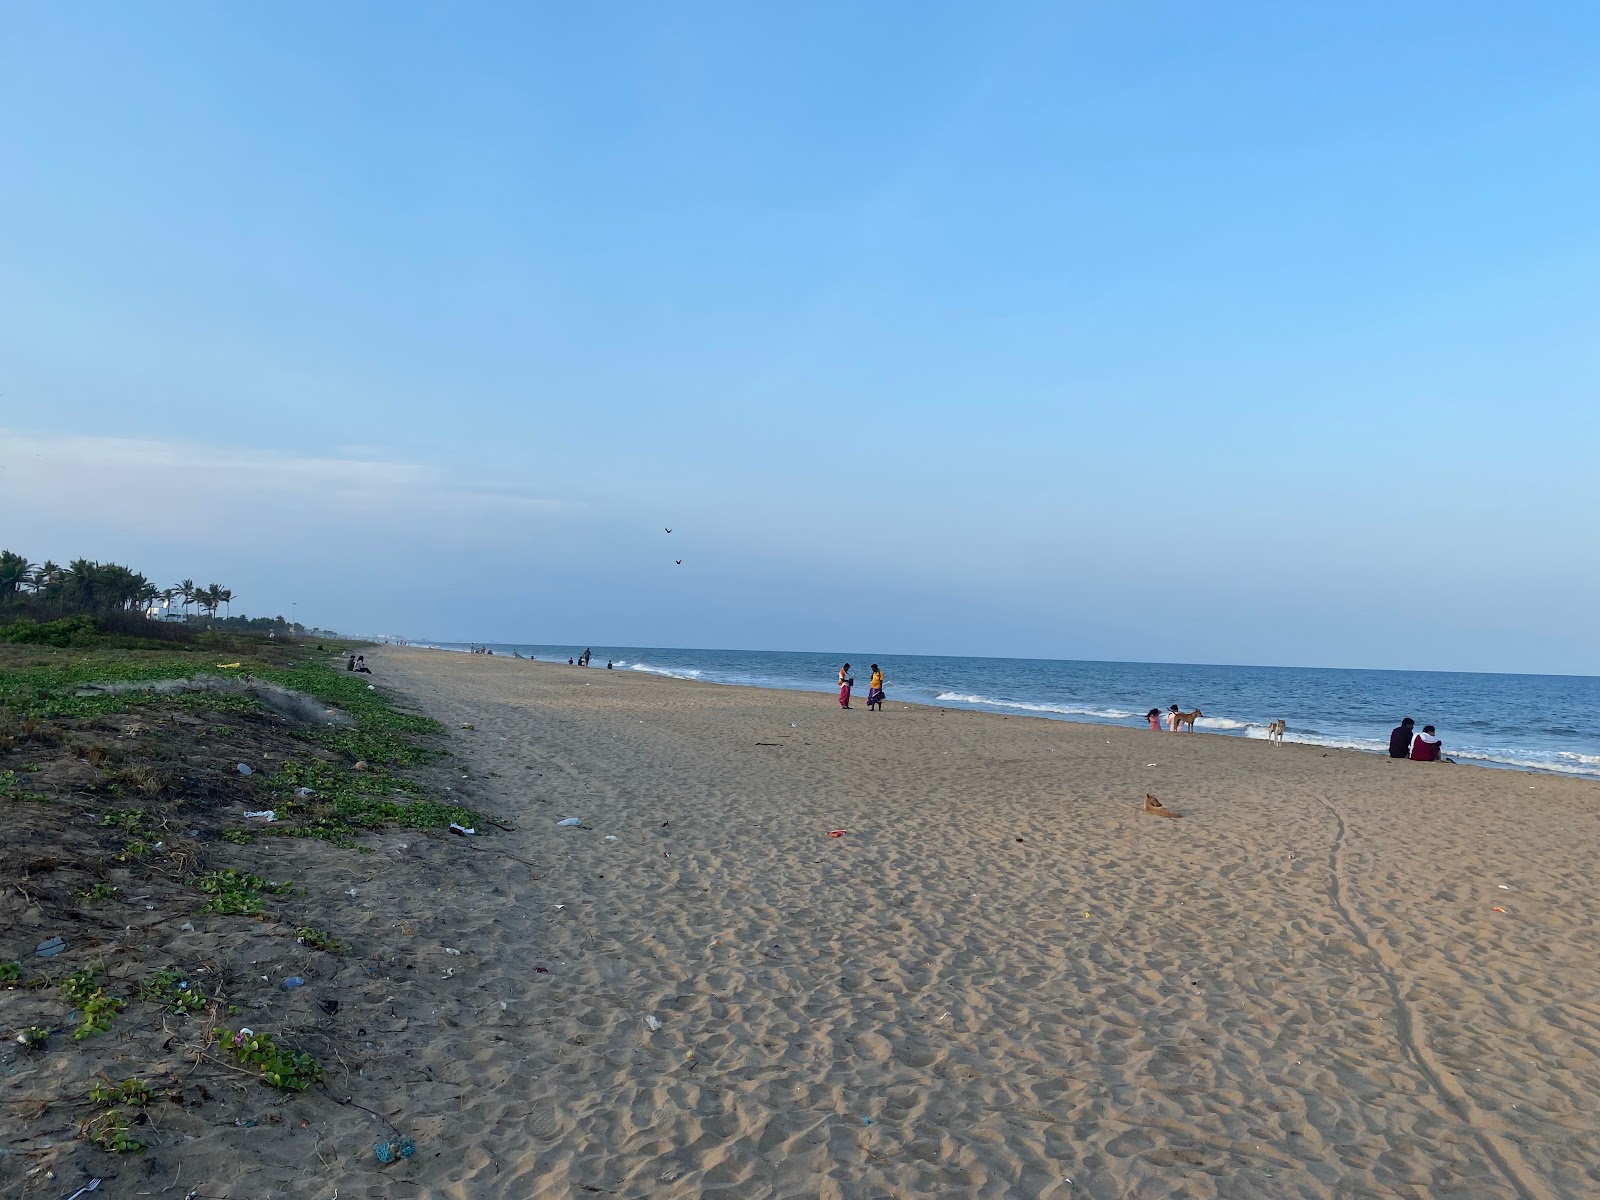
351 665
1427 747
1154 717
845 684
1400 739
361 665
608 664
875 690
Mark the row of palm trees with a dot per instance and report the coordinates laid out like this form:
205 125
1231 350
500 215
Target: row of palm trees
91 587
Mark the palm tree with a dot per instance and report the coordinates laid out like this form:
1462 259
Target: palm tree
211 598
186 590
44 576
226 596
14 570
80 583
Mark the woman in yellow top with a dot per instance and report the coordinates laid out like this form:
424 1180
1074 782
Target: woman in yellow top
875 689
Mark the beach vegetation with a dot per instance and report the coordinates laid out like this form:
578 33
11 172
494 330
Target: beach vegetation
280 1066
33 1038
237 893
10 972
96 1010
112 1128
306 935
173 992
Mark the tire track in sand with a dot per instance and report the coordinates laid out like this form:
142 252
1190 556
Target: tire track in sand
1501 1151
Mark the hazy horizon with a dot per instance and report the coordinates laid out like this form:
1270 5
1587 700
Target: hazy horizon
1237 337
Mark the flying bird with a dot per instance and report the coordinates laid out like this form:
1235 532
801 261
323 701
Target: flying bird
679 561
669 531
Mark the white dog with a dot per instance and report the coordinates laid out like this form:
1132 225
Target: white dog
1275 732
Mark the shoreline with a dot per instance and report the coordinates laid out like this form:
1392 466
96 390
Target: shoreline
1025 711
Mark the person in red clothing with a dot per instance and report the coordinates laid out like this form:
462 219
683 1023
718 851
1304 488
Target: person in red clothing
1426 747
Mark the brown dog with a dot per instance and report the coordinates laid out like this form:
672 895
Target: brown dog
1188 719
1157 809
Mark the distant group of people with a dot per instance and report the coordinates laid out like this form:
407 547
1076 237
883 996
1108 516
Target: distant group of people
358 663
480 649
1174 719
847 682
1405 742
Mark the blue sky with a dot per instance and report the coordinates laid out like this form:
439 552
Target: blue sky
1244 333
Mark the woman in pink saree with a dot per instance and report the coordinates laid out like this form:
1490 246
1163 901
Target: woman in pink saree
845 684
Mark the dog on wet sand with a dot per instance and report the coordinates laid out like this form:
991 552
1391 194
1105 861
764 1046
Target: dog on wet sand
1275 732
1157 809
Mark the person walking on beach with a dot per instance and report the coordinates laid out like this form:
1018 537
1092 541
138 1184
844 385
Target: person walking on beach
845 684
1400 739
1154 717
1427 747
875 689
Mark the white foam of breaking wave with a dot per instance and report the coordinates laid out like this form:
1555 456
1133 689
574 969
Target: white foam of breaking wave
1586 760
1112 714
1220 723
1530 760
669 672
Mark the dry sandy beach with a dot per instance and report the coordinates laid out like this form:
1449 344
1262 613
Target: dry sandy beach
1336 976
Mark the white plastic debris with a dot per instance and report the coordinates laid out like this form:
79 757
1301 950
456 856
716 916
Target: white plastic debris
349 891
651 1023
611 837
1504 888
244 769
371 688
570 822
462 830
304 793
452 950
187 927
265 814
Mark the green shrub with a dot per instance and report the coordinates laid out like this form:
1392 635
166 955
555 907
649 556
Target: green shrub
69 631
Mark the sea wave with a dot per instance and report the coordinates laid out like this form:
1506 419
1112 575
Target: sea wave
1588 760
1110 714
1221 723
669 672
1533 761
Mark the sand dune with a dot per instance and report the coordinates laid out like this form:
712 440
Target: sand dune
1004 979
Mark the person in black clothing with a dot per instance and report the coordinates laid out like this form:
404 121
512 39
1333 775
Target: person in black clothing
1400 739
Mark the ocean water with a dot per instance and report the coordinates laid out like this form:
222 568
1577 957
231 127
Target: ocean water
1529 722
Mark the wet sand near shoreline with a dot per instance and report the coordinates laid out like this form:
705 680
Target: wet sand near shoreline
1004 979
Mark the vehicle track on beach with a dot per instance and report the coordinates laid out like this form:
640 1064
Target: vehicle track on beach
1505 1155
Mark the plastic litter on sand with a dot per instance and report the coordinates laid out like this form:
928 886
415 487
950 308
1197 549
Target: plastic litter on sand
569 822
388 1152
265 814
651 1022
244 769
293 982
462 830
50 947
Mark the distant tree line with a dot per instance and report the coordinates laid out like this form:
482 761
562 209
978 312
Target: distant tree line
104 591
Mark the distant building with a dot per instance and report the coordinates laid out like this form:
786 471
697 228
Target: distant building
162 611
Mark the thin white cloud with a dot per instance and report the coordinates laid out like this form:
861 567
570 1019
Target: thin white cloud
173 487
